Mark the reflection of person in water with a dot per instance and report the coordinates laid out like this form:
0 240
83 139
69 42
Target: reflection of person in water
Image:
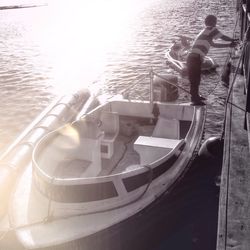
199 50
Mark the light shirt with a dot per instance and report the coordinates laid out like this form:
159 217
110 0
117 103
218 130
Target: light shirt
204 39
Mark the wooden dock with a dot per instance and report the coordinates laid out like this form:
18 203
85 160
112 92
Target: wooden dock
234 205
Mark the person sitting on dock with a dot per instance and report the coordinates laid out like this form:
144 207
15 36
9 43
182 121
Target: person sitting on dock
199 50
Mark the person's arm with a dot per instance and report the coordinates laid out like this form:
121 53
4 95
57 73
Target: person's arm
219 35
223 45
227 38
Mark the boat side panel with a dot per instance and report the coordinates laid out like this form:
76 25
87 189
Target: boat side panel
133 182
145 109
127 108
76 193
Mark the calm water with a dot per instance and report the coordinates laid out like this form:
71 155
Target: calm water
51 50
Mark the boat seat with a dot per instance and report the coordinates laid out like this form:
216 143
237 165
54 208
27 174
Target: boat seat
167 128
110 128
151 148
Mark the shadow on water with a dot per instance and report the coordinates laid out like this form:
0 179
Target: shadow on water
187 218
197 199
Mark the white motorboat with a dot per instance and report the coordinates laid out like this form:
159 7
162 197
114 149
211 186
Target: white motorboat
93 174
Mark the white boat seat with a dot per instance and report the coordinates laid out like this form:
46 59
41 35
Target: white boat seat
110 127
167 128
151 148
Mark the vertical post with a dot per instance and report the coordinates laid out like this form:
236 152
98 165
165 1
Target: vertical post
151 88
244 27
242 14
247 12
245 54
247 70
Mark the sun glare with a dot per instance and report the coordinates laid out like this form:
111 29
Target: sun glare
71 137
81 34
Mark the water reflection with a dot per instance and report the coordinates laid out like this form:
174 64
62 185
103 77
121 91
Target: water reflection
78 37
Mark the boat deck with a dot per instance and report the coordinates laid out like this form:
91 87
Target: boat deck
124 156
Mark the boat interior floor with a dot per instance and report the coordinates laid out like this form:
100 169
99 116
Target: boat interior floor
124 156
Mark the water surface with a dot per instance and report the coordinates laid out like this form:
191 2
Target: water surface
65 45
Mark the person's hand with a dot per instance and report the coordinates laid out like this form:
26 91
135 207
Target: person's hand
233 44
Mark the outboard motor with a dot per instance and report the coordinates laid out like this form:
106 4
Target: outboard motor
166 90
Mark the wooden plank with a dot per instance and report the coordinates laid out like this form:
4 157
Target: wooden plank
234 206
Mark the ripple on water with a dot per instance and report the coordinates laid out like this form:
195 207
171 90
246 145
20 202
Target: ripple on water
27 74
